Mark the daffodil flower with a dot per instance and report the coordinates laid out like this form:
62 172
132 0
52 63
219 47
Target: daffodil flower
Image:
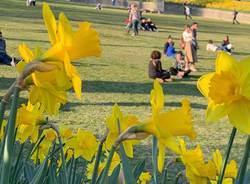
197 171
167 125
144 178
28 121
117 123
228 91
84 144
68 45
48 88
231 169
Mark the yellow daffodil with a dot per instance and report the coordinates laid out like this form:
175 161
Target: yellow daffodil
167 125
225 181
197 171
228 91
144 178
68 45
28 119
117 123
48 88
42 151
231 168
84 144
114 163
50 135
66 133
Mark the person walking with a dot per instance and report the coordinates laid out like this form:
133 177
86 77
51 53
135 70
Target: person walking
187 37
235 14
187 11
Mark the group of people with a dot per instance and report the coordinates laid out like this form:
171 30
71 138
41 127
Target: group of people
136 22
184 63
225 46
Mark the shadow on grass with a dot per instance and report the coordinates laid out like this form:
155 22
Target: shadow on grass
70 105
173 88
5 83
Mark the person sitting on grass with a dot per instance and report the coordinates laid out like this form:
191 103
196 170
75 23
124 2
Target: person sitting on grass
179 66
169 49
150 26
211 46
155 70
4 57
226 45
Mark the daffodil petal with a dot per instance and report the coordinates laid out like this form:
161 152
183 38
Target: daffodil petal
128 147
25 53
50 23
239 115
161 157
203 84
225 62
245 88
215 111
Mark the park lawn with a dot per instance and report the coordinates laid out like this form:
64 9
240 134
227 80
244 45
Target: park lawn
120 74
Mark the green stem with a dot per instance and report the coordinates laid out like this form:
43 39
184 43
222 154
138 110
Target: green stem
8 147
154 159
107 166
2 110
98 158
229 146
244 162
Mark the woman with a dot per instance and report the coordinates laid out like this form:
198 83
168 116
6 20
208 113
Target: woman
187 38
134 18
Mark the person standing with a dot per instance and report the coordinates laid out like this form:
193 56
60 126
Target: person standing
235 14
134 18
4 57
187 37
194 45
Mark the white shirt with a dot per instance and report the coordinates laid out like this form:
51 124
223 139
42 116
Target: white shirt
187 10
211 47
187 37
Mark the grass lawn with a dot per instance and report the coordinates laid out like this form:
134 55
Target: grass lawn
120 74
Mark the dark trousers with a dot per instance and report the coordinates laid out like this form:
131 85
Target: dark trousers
174 71
164 75
5 58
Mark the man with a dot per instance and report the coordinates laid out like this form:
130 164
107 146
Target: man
4 57
194 45
235 13
187 11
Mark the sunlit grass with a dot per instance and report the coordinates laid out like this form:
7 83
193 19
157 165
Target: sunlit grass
120 74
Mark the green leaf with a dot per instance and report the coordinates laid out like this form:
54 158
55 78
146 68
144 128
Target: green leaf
247 177
127 169
154 159
138 169
39 176
114 177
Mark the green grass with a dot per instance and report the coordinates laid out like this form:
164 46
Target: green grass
120 74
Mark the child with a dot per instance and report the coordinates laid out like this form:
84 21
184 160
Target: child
155 70
169 49
179 66
211 46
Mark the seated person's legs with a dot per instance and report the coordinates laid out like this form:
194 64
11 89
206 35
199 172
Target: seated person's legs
5 59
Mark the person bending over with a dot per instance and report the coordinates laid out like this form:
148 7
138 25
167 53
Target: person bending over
155 70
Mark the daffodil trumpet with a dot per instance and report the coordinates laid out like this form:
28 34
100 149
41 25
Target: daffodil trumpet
244 162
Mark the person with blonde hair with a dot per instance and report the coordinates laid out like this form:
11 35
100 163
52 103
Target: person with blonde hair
134 18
